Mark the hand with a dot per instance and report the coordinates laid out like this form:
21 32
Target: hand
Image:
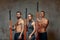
19 37
9 26
30 37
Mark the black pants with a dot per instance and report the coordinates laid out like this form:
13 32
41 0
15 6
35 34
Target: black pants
42 36
17 35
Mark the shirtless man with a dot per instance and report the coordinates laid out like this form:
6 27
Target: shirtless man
30 28
19 27
42 26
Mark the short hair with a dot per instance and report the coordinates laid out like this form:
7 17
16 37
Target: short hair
19 12
43 12
30 14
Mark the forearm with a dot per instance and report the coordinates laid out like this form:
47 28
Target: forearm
22 29
21 32
32 32
34 28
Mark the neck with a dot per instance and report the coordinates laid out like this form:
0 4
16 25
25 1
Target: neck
19 18
42 17
30 20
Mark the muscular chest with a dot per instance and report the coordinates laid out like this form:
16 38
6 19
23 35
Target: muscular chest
41 23
19 25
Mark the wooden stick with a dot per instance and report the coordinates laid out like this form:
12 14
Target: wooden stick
10 23
37 15
25 28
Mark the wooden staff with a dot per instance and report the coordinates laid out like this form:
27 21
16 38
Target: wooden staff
37 15
10 23
25 28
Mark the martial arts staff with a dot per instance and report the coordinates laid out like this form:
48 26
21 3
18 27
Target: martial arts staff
30 27
19 27
42 26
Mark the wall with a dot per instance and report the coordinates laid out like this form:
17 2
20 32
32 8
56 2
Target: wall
51 7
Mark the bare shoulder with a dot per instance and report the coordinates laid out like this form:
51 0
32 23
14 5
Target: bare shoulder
33 23
22 20
46 20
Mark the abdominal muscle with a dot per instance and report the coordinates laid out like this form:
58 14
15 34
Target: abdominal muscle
18 28
41 30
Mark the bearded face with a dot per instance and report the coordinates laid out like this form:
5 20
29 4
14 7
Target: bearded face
18 15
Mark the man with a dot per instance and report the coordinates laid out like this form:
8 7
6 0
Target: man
30 28
42 26
19 27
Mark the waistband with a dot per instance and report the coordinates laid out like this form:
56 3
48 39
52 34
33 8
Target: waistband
42 33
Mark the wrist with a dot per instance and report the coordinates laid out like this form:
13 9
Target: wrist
31 35
21 34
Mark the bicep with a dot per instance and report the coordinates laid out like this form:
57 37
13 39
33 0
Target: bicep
46 24
22 24
33 25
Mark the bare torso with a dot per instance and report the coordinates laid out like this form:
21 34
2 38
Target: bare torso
42 25
19 25
18 28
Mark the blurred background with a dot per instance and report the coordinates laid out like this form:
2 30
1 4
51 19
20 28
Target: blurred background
51 7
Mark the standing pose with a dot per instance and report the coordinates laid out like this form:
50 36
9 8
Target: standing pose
30 28
19 27
42 26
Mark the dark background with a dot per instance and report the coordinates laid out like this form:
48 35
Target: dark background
51 7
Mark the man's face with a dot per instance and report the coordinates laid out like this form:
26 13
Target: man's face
42 14
29 17
18 15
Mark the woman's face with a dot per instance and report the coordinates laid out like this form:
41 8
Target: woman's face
29 17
